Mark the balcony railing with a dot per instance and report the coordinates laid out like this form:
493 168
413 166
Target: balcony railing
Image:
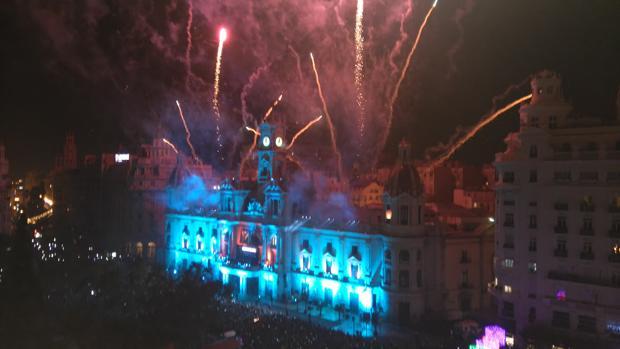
589 255
560 253
560 229
588 231
582 279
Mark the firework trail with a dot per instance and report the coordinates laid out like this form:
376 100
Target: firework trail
275 104
171 145
394 96
246 90
359 63
295 161
254 131
188 135
332 130
472 132
216 89
188 47
247 155
403 37
304 129
458 19
460 132
297 61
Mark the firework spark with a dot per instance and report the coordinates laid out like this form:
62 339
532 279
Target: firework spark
359 63
275 104
304 129
171 145
332 130
188 134
216 88
403 72
472 132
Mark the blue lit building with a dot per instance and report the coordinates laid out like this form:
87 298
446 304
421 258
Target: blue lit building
267 239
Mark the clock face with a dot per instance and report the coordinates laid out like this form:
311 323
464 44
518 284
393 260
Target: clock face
279 142
266 141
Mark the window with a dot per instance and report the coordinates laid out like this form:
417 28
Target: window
509 177
508 309
560 319
508 263
531 317
533 152
404 215
403 279
533 221
387 276
509 220
532 267
419 278
533 176
587 223
355 270
561 245
418 256
465 257
553 122
403 256
465 278
562 176
305 245
532 245
388 256
273 243
586 323
198 243
562 221
305 262
328 266
507 289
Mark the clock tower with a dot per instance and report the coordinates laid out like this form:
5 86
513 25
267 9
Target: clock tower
271 146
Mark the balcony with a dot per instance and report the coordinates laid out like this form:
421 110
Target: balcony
560 253
587 231
560 206
614 232
465 260
586 207
560 229
614 258
588 255
582 279
588 155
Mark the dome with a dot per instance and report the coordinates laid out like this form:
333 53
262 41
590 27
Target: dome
404 177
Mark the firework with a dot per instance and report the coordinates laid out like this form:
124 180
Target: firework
216 86
403 72
275 104
188 134
474 130
304 129
171 145
332 130
359 63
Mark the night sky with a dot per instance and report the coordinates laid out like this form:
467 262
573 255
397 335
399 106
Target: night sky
110 70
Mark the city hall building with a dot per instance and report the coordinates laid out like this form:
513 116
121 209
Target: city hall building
286 234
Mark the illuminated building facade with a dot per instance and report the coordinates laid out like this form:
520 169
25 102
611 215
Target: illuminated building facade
265 239
558 223
5 186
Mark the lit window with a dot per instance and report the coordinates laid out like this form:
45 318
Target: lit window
508 263
560 295
507 289
532 267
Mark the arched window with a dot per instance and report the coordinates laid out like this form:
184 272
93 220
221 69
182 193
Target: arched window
185 238
403 256
151 250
